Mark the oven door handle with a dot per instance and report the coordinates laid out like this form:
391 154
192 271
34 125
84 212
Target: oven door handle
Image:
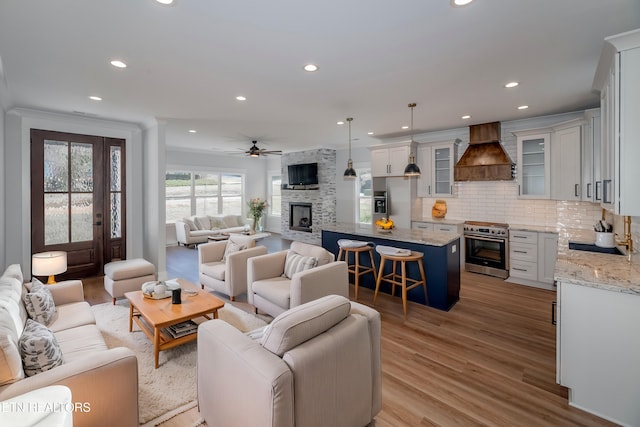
487 239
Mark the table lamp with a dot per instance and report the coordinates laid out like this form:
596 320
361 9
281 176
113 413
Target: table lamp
49 264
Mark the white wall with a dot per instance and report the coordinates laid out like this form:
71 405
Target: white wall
154 206
18 122
345 188
3 177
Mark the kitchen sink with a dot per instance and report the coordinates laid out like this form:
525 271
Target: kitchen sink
590 247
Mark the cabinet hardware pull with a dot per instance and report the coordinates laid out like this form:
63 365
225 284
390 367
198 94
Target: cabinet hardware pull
519 269
519 194
515 236
575 190
554 304
605 193
597 192
429 189
588 190
520 252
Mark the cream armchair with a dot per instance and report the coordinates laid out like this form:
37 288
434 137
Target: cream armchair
271 292
317 364
227 275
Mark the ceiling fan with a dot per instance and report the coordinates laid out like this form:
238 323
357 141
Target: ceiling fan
254 151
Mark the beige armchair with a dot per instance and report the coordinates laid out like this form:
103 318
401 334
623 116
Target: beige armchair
227 275
317 364
272 292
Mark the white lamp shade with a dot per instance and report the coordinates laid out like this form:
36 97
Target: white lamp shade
49 263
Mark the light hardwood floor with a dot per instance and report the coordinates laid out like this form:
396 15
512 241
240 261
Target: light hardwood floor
490 360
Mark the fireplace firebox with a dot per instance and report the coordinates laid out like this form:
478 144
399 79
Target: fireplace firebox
300 217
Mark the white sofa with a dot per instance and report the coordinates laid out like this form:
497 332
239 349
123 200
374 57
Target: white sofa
104 379
317 364
195 229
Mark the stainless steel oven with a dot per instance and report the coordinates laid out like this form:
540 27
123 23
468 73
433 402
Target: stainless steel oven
487 248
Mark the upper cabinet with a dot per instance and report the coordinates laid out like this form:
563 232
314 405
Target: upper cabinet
590 155
436 163
534 164
618 80
566 161
390 161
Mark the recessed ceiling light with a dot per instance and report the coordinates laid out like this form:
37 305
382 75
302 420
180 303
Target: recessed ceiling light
511 84
118 63
95 98
466 117
370 133
192 131
458 3
523 107
405 127
241 98
165 2
339 123
311 68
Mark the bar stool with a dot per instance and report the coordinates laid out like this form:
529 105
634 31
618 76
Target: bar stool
357 247
403 256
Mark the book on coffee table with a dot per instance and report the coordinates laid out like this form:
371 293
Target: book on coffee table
181 329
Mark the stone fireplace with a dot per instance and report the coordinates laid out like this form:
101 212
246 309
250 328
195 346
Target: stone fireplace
308 209
300 217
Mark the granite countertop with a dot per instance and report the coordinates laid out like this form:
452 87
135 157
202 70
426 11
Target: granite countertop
440 220
421 237
538 228
615 273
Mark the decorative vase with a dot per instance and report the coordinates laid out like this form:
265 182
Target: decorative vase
439 209
255 225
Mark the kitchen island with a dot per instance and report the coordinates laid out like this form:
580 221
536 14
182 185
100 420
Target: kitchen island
441 259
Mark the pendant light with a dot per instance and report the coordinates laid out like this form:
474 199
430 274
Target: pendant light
412 169
350 173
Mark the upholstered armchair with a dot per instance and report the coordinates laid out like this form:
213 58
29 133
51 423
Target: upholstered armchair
222 266
282 280
317 364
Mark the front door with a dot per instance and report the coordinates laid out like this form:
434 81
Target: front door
77 199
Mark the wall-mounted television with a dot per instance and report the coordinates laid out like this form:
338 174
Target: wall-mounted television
303 174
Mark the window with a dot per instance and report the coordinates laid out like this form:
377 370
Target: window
363 195
209 193
275 195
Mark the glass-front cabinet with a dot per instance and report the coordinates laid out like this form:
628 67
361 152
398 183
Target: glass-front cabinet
436 164
533 165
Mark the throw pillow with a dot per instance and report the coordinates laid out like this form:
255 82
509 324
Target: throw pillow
217 223
231 221
231 248
296 263
39 349
190 223
202 222
39 303
10 360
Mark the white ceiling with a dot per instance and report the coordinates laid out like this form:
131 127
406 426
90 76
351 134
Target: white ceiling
188 62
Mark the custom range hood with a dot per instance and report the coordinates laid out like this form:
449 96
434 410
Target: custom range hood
484 159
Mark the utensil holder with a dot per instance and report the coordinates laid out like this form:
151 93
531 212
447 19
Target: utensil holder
605 240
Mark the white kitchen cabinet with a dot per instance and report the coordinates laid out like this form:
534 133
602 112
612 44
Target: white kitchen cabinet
436 162
532 258
591 179
420 225
597 350
618 80
566 161
533 164
390 161
547 254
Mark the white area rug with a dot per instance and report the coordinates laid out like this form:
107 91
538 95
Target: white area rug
170 389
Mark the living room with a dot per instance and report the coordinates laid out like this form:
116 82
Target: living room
211 131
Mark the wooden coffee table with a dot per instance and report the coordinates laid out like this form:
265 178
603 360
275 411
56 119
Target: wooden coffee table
153 315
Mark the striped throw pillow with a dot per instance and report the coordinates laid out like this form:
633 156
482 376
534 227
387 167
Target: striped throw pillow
296 263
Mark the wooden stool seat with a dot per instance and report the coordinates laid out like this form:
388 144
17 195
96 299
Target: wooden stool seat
356 268
401 279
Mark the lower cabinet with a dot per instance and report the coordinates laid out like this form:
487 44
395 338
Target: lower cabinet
598 349
532 258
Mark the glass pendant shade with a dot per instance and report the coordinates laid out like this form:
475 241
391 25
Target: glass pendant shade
349 172
412 168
